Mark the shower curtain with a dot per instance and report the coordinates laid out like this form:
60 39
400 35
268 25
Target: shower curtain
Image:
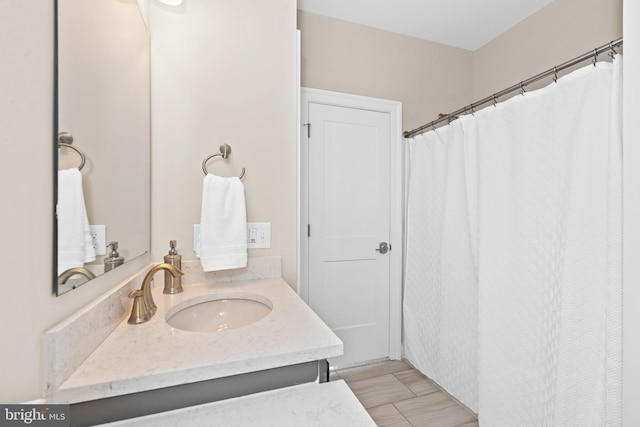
513 282
441 283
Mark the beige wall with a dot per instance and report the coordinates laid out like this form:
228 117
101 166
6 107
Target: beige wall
428 78
26 118
561 31
224 72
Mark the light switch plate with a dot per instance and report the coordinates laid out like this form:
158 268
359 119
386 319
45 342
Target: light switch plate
258 235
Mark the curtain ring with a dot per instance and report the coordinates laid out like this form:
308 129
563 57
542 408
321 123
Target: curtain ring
495 100
595 57
522 91
612 50
473 111
555 74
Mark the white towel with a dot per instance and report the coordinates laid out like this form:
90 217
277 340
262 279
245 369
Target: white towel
74 236
223 224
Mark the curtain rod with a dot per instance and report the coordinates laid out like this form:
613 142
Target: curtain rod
448 118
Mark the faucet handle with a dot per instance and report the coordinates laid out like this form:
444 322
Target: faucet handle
139 312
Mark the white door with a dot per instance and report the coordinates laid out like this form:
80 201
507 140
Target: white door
349 225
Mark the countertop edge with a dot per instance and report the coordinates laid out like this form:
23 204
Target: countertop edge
141 384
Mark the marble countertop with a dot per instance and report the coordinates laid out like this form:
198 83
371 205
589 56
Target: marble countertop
152 355
311 405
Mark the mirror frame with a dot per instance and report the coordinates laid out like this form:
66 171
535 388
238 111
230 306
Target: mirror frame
143 246
56 159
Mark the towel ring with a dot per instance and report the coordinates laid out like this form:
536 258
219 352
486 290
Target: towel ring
80 153
225 149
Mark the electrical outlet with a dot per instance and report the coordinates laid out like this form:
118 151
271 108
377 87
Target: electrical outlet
99 238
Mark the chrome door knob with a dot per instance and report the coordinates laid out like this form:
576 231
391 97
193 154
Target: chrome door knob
383 248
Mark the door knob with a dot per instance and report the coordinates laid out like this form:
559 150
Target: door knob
383 248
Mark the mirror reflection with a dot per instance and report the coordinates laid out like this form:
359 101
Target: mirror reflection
103 136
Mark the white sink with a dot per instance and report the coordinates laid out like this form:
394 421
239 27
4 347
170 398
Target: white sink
215 313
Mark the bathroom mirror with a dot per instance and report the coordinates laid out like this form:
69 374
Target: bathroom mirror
103 101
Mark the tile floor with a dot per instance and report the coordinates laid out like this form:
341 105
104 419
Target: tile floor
396 394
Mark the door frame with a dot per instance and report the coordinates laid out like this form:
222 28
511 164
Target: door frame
396 200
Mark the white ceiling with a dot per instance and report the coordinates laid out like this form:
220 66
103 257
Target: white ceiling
468 24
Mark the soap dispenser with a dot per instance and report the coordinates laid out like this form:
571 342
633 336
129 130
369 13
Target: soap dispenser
172 285
114 259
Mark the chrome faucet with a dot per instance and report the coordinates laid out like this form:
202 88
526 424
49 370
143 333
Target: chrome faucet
67 274
143 306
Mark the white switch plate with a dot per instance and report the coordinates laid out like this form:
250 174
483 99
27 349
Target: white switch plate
258 235
99 238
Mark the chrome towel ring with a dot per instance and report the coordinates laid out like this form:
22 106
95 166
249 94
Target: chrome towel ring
225 150
65 139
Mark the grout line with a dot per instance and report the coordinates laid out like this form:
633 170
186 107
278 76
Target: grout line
406 419
456 401
443 390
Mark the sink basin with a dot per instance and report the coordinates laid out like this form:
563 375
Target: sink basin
215 313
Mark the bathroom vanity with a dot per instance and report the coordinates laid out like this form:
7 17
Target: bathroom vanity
153 367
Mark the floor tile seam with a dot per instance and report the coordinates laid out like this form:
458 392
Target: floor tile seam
405 418
456 401
430 410
416 394
382 390
442 389
451 403
391 403
431 413
407 383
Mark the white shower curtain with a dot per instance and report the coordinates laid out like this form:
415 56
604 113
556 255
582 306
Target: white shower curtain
542 196
441 283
